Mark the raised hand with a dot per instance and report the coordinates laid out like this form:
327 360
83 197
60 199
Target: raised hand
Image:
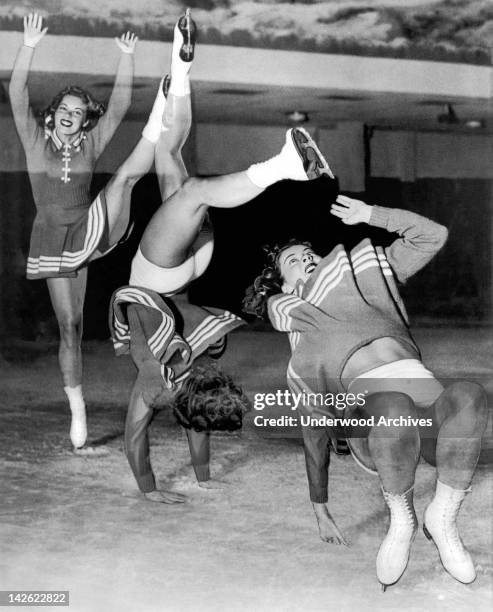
33 29
351 211
127 42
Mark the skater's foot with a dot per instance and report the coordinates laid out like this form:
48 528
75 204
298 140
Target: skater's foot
184 37
314 163
299 160
78 425
393 554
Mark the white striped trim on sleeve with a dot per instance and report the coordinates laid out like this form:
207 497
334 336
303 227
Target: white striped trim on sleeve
366 258
281 309
329 278
161 337
208 328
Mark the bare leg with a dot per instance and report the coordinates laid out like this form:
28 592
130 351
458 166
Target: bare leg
171 130
393 450
460 415
168 126
67 298
119 190
170 169
172 230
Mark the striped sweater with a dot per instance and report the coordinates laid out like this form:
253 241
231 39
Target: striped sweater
351 299
175 331
66 228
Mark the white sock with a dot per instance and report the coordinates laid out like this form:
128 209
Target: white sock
287 164
180 80
78 427
154 126
179 86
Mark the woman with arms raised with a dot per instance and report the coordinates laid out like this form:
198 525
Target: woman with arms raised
69 230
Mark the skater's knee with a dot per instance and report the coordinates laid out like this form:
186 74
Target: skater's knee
465 403
171 152
70 328
191 189
125 179
466 395
390 404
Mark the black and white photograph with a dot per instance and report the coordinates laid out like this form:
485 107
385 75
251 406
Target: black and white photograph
246 291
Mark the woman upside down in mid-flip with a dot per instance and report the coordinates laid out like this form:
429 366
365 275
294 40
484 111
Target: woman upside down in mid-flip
170 339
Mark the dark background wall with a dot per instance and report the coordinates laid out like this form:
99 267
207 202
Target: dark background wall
456 285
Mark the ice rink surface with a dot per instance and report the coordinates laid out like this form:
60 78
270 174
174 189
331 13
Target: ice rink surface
80 524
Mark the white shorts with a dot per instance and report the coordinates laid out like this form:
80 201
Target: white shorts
168 281
408 376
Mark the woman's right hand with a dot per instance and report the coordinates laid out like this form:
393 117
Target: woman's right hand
33 29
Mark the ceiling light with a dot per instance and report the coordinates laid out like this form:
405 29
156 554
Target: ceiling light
298 116
474 124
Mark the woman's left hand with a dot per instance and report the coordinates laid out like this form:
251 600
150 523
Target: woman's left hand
127 42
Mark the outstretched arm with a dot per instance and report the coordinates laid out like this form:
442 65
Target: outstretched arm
419 240
121 95
18 92
317 459
199 444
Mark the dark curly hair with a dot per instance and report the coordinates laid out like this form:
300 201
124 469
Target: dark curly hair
269 282
210 401
95 109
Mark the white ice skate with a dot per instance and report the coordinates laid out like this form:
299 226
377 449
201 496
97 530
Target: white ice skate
393 554
440 526
302 157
